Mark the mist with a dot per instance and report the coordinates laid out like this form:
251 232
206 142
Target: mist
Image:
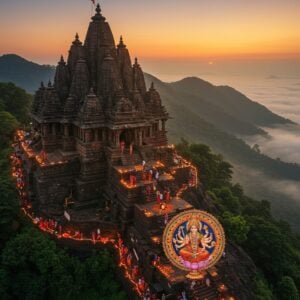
283 144
284 195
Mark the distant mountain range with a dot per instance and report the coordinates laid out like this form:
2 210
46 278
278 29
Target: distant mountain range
218 116
24 73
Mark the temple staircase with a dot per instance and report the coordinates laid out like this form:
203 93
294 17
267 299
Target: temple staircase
129 160
202 292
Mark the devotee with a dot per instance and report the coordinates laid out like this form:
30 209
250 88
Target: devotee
129 260
131 149
157 175
207 282
150 175
167 197
158 197
98 233
161 197
166 218
144 176
122 146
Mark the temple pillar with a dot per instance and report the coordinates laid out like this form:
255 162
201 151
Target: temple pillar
103 135
140 137
117 136
53 127
66 130
96 134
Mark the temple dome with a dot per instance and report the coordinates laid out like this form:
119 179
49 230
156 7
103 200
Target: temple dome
51 106
109 78
125 66
62 79
80 81
99 39
91 110
76 52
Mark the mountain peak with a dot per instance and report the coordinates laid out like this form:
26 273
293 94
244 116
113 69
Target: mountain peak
24 73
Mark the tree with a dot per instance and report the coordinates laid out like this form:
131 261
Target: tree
227 199
8 125
9 207
15 101
236 227
33 267
286 289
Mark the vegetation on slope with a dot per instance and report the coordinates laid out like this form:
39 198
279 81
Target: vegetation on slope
24 73
271 244
31 265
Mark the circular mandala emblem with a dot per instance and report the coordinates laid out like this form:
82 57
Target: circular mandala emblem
194 240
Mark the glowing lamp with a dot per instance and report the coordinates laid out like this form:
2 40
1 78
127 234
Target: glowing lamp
163 206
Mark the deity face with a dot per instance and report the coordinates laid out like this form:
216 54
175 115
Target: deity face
194 229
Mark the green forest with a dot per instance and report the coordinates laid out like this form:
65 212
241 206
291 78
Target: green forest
34 267
274 248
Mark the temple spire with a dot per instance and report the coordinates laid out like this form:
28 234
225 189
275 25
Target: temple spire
98 9
77 41
62 59
98 16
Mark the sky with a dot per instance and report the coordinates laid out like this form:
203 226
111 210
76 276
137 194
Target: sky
157 30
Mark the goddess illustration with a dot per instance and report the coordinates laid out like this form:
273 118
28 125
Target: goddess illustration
192 243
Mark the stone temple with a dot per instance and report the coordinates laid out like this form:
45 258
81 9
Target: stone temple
100 154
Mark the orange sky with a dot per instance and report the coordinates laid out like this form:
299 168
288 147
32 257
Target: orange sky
210 29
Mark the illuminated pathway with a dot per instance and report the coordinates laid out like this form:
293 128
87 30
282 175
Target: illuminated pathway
53 228
130 269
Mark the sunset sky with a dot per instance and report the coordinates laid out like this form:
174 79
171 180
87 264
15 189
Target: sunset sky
41 30
167 36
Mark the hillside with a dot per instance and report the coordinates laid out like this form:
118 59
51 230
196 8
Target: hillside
24 73
202 112
227 99
186 122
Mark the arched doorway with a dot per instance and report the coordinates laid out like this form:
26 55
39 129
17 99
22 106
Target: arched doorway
127 137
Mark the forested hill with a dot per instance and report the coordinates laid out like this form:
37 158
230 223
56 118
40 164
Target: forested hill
257 172
34 267
230 101
202 112
24 73
187 121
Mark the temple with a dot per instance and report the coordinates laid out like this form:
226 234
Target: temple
99 155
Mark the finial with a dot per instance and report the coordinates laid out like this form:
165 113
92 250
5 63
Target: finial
49 83
152 86
98 16
62 59
77 41
121 40
42 84
98 9
136 61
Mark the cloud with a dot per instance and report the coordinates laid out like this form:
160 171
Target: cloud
284 195
284 143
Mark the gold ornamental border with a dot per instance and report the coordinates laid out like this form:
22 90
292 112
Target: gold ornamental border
183 217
